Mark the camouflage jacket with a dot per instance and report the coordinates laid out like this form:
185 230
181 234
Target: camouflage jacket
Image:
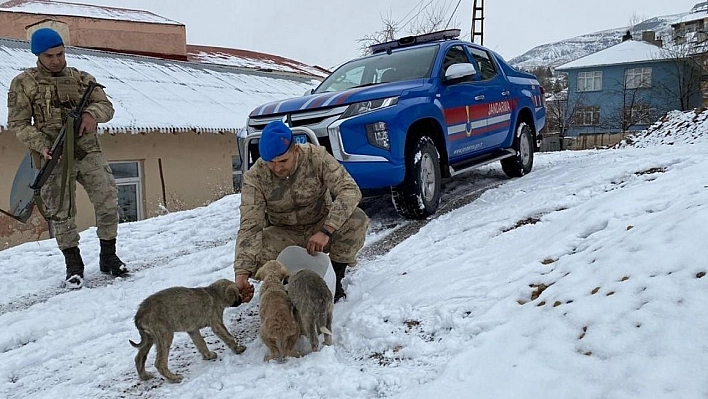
39 101
319 191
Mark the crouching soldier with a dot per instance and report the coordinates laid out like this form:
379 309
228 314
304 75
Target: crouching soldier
38 103
297 194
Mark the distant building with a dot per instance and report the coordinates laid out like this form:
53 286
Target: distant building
628 86
172 142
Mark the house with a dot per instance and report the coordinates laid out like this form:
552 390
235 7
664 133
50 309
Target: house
172 143
628 87
690 34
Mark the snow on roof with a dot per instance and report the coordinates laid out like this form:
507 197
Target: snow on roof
151 94
250 59
627 52
694 16
47 7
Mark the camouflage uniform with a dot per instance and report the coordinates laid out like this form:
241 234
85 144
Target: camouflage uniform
38 102
276 213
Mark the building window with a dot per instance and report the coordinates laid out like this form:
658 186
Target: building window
590 81
128 177
639 114
587 116
636 78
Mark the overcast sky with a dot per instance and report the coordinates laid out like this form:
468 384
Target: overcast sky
325 32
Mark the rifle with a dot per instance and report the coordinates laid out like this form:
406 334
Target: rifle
25 195
73 120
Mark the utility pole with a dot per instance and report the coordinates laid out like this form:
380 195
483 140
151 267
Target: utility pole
478 22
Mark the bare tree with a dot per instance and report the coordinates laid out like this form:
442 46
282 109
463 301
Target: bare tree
430 19
386 34
634 108
433 19
562 114
635 20
688 62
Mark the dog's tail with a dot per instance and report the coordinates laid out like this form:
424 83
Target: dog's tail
143 339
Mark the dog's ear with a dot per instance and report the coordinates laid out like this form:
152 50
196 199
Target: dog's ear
259 274
284 273
233 296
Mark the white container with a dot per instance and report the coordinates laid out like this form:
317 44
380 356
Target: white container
296 258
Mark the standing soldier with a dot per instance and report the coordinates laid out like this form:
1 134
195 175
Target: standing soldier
38 103
297 194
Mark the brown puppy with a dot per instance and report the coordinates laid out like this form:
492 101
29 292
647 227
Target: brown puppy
176 309
313 303
279 329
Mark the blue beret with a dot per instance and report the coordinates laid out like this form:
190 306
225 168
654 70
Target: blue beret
275 140
43 39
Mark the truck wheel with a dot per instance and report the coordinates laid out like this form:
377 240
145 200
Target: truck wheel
419 195
522 163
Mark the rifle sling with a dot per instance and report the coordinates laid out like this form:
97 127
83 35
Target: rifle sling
67 179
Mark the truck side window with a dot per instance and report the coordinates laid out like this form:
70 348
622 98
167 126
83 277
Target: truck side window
487 70
455 55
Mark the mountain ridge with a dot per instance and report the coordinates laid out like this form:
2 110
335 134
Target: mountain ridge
564 51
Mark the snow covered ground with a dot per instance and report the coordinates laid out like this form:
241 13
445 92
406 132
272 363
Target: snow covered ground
583 279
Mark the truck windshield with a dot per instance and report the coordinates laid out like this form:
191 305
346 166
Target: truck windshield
400 65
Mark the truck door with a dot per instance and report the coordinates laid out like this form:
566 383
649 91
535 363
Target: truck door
465 109
497 97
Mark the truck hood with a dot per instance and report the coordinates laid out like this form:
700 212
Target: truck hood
337 98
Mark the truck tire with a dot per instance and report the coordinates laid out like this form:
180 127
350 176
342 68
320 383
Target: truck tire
522 163
419 195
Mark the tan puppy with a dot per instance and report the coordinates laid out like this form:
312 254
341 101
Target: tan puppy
176 309
313 303
279 329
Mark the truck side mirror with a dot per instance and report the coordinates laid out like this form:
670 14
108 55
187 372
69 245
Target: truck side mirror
457 73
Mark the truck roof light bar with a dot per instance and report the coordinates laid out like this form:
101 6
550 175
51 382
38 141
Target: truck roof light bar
412 40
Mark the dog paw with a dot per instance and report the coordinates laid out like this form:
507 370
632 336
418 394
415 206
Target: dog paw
175 378
209 356
147 376
238 349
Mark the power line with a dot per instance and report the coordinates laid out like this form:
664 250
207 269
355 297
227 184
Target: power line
413 9
453 13
421 10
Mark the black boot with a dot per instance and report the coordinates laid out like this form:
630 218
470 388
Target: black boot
109 262
339 270
74 268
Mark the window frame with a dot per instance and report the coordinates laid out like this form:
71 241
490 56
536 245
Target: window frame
136 181
640 78
486 67
581 116
645 112
589 76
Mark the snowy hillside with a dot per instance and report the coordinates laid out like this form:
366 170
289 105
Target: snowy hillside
561 52
583 279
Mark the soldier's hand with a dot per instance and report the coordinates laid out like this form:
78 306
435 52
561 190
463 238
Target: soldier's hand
244 287
88 124
317 243
46 154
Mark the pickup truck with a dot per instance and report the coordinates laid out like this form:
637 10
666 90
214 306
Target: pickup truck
415 111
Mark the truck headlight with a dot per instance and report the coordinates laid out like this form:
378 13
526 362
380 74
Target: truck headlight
368 106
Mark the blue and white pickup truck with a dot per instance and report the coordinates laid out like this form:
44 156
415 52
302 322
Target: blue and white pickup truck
419 109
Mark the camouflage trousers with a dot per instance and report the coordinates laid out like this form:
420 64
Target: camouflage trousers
96 177
342 247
